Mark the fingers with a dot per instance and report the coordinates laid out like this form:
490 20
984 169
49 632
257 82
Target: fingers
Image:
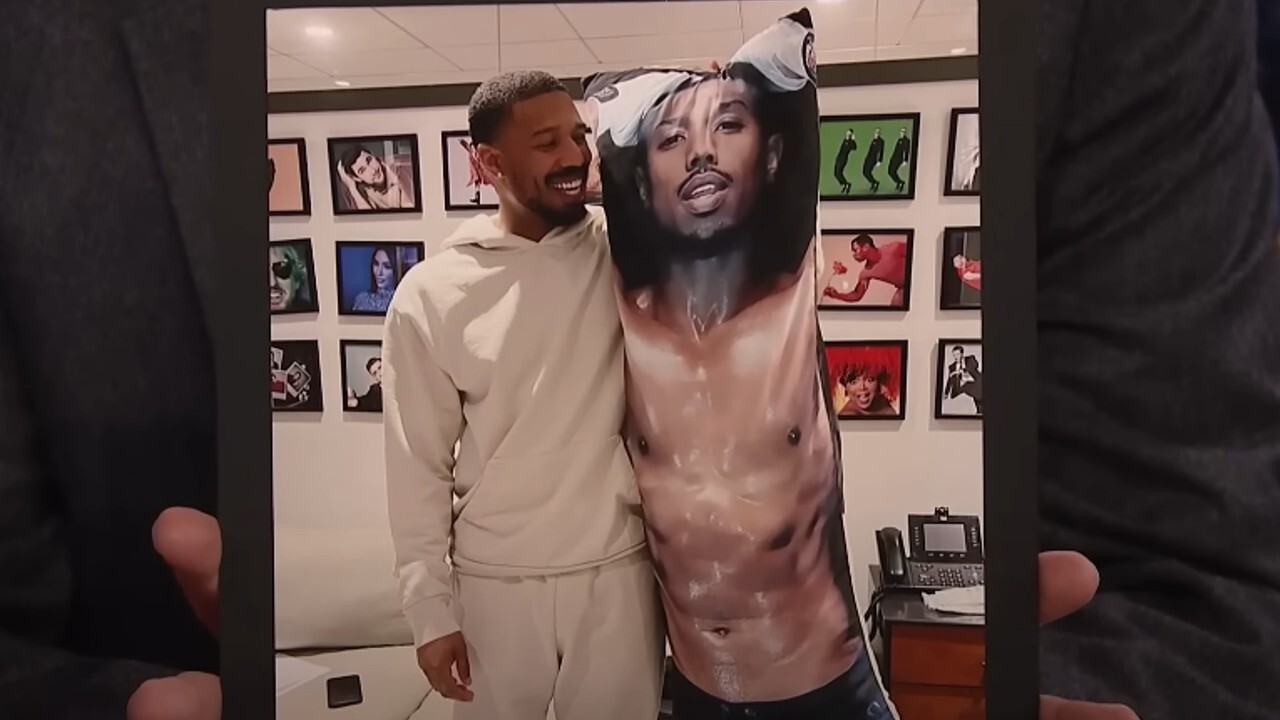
191 543
1056 708
464 665
189 696
443 682
1067 583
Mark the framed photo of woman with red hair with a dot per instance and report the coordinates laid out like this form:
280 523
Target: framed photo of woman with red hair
868 379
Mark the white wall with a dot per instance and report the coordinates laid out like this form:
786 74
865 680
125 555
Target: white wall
328 469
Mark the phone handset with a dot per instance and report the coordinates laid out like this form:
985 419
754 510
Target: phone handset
893 556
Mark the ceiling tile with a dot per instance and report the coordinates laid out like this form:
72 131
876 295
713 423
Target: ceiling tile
606 20
351 28
537 55
830 20
283 67
533 23
707 46
944 7
379 62
447 25
472 57
941 28
892 18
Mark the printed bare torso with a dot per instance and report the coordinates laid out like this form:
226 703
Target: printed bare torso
735 464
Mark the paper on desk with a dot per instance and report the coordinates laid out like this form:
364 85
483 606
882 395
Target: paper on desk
292 673
962 601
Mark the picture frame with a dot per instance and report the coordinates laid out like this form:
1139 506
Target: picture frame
289 187
291 269
855 394
296 378
375 175
838 281
959 388
361 384
960 269
845 147
366 290
964 154
464 187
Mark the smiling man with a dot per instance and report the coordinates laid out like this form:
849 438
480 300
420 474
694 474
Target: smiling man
506 344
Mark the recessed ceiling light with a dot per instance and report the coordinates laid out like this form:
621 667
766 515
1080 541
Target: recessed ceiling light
317 31
959 51
342 83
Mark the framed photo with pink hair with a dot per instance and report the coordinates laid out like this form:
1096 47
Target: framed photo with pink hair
865 270
465 186
867 378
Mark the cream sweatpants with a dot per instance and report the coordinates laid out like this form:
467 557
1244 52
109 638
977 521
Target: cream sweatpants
589 644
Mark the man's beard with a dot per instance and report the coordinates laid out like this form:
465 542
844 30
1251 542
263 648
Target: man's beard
557 217
680 247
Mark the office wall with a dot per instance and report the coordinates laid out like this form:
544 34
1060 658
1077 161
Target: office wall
328 467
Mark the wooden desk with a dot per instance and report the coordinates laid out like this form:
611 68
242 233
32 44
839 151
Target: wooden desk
933 662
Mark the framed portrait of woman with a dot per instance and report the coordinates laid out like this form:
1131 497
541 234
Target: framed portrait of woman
370 271
291 272
375 174
868 378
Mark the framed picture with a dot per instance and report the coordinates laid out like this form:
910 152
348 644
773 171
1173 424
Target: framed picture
361 375
961 268
959 391
289 186
295 376
465 185
370 272
868 157
291 270
964 156
375 175
868 379
865 270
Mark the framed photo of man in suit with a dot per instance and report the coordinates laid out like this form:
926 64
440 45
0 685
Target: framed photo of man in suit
959 390
361 376
868 157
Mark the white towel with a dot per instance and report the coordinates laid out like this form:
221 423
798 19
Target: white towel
962 601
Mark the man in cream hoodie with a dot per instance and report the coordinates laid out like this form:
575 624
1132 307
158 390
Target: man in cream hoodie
520 548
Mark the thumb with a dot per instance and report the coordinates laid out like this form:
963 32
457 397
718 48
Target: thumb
464 663
189 696
191 543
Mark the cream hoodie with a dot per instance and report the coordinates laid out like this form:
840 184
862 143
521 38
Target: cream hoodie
510 351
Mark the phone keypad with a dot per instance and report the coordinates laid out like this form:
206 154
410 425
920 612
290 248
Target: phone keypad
948 575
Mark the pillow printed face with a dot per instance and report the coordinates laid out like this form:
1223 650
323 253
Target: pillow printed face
710 187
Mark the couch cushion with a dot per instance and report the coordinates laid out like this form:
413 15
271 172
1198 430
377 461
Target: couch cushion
335 589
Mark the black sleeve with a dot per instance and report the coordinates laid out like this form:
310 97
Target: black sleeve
1159 355
38 680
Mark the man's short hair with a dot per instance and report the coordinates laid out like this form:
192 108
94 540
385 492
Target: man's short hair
368 365
351 154
492 102
864 239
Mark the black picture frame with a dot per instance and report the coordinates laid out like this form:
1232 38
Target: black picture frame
342 274
337 191
308 259
953 292
828 156
942 363
949 188
351 402
289 357
299 146
832 363
825 304
446 168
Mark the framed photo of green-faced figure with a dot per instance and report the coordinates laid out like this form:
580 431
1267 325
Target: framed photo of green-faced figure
868 157
291 274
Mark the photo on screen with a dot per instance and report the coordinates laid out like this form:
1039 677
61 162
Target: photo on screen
295 376
291 271
865 270
289 188
959 380
964 153
868 157
465 184
361 375
369 273
867 379
961 268
375 175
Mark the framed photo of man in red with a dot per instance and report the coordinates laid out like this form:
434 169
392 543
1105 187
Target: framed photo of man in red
867 379
865 270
